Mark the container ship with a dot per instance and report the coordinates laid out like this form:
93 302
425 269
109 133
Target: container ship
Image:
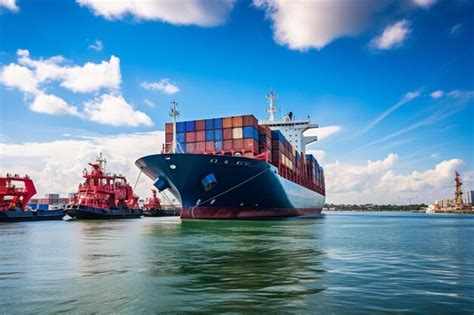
239 168
103 196
15 193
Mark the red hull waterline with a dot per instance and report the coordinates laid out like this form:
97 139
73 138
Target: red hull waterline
244 214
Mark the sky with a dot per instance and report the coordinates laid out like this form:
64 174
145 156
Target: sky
391 84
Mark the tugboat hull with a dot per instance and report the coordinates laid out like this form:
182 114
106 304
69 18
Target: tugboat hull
89 213
26 216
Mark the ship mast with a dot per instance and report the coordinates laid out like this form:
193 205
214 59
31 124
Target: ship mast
174 113
102 161
458 191
272 110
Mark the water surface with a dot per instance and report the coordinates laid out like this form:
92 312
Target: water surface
338 262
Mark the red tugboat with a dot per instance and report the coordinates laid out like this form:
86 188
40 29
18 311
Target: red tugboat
103 196
15 192
152 207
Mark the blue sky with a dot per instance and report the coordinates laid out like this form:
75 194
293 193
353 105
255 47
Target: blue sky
223 57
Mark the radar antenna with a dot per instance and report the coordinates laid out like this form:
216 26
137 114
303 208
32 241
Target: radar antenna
272 110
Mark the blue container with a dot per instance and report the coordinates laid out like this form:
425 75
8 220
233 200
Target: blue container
191 125
180 126
180 137
42 206
209 124
250 132
218 145
276 134
209 135
217 123
218 134
33 206
181 147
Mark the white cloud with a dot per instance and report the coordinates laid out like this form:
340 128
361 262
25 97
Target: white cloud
114 110
393 36
437 94
10 5
303 25
97 45
320 155
16 76
436 155
52 104
164 85
185 12
465 95
54 169
149 103
407 97
425 4
323 132
378 182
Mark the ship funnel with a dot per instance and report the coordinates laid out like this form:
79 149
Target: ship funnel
161 184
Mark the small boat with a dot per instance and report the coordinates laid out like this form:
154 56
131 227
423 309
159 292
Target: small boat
103 196
15 192
153 208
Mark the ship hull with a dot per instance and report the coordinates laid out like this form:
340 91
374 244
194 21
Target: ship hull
27 216
244 188
90 213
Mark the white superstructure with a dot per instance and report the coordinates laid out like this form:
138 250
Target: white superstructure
292 129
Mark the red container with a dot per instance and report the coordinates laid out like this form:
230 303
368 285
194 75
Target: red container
200 136
169 138
200 125
265 130
200 147
237 121
238 144
250 145
210 147
227 134
227 122
250 120
227 145
190 148
169 128
190 137
168 148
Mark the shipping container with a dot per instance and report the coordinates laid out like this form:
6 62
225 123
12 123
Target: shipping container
218 123
250 132
218 146
190 137
227 145
237 133
237 121
218 134
227 134
190 147
276 134
249 120
190 125
169 128
238 144
227 122
210 124
168 138
180 137
250 145
200 125
180 126
210 146
209 135
200 136
200 147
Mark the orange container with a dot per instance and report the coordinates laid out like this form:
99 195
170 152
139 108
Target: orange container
250 120
250 145
227 145
190 147
227 122
210 147
169 128
237 121
200 125
227 134
169 138
238 144
200 147
191 136
200 136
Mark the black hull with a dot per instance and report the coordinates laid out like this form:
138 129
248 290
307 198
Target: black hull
228 187
89 213
29 216
161 213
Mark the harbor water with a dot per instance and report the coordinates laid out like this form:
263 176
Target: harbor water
341 262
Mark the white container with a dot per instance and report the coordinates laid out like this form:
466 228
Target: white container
237 133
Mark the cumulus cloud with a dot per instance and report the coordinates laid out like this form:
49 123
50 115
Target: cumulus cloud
379 182
114 110
437 94
52 104
55 170
303 25
185 12
425 4
97 45
164 85
393 36
19 77
10 5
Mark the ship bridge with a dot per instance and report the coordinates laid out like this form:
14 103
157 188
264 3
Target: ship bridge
292 129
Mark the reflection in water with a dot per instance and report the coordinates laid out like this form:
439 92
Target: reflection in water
241 265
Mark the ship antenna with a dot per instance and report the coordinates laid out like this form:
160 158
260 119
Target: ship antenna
102 161
271 97
174 113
